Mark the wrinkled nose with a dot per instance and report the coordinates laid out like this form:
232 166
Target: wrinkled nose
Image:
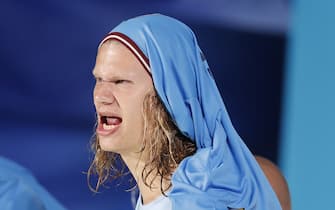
103 96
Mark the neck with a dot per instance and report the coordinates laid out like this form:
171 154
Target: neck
136 165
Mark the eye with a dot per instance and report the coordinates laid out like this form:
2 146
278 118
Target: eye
120 81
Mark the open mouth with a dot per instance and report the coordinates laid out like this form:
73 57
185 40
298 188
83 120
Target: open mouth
108 124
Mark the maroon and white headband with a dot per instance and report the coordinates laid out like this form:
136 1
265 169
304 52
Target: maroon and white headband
132 46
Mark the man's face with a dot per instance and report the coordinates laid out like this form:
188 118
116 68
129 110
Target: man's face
121 85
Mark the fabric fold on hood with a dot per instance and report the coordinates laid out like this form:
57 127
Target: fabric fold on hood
223 173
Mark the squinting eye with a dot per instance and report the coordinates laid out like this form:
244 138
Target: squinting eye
120 81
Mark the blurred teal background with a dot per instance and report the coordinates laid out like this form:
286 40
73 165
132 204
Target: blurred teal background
308 126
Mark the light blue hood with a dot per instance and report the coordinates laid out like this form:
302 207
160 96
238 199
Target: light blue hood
223 173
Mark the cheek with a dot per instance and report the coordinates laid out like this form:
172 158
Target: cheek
133 110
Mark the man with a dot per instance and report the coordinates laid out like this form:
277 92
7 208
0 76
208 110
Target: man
161 114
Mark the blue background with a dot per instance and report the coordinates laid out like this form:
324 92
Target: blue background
48 49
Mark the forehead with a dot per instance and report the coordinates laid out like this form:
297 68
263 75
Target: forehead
115 58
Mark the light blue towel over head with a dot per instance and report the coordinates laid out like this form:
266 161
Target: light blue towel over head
223 173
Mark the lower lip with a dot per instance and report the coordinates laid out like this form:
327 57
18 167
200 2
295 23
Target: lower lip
102 132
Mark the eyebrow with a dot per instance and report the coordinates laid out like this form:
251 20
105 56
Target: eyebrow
114 77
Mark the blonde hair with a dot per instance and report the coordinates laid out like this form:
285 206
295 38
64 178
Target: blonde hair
165 144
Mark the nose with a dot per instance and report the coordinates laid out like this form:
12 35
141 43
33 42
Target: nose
103 95
101 99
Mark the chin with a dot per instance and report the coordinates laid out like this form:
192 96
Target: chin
108 144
